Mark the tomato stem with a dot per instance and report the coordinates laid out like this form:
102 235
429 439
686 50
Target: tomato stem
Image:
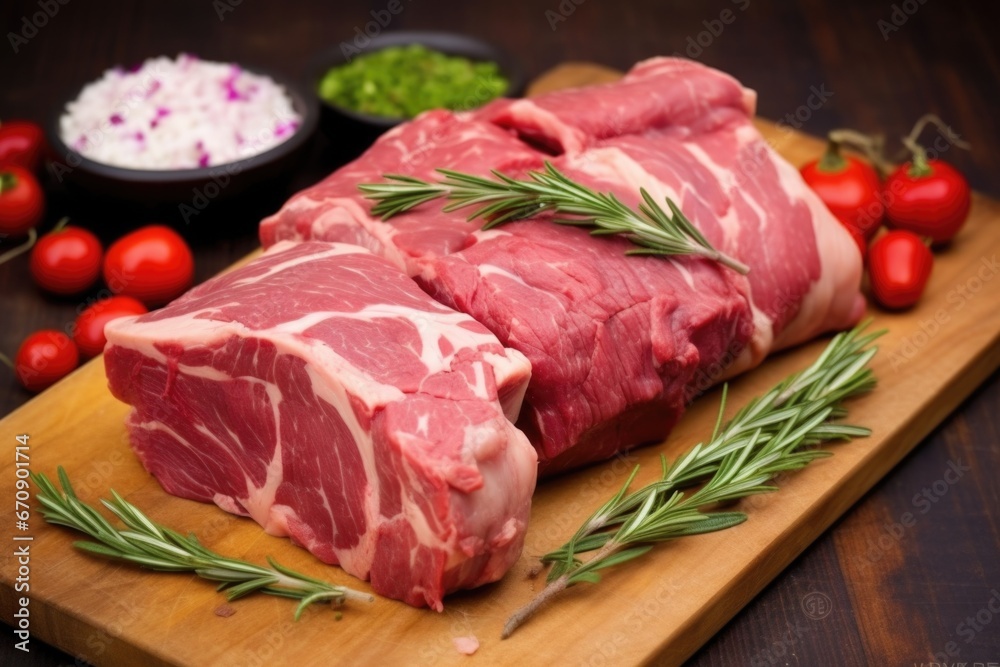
945 129
5 360
919 166
21 249
60 225
8 181
870 145
832 161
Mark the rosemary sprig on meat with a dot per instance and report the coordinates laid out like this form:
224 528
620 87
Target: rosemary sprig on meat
503 199
773 434
158 548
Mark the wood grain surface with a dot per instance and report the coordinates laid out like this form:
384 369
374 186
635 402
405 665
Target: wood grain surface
663 608
920 587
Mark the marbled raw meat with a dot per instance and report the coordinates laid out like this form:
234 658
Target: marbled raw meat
618 344
320 392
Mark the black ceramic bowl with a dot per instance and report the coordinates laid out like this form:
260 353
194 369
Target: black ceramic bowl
177 186
341 124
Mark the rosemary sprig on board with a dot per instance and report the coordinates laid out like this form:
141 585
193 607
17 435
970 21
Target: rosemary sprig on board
771 435
159 548
503 199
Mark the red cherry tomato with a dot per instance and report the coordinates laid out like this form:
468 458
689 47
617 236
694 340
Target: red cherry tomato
45 357
152 264
88 334
21 200
66 260
850 188
927 197
899 264
22 143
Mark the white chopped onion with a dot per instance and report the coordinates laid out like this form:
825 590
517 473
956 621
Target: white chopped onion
178 114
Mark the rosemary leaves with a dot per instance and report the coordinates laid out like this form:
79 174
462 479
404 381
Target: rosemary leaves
774 433
503 199
158 548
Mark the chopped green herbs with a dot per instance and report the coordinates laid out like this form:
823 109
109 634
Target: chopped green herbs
403 81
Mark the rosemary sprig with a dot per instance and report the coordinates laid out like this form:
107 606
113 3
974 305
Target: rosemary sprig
503 199
840 372
773 434
159 548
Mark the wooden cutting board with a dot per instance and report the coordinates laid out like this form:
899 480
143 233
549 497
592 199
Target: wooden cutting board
661 609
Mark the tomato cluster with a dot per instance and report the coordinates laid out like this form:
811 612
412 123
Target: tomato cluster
48 355
143 269
922 202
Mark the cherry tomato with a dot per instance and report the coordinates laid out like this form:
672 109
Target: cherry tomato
899 264
45 357
88 334
849 187
66 260
152 264
22 143
927 197
21 200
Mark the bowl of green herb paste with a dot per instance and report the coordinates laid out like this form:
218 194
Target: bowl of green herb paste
395 76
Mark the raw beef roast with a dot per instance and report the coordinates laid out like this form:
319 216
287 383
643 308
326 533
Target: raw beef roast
319 391
357 386
618 344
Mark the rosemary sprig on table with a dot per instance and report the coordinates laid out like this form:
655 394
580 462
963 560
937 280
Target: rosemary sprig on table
503 199
770 436
159 548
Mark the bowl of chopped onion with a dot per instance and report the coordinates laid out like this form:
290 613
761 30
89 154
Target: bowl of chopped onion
365 89
181 130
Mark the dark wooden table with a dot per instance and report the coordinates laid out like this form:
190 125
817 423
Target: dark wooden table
870 591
